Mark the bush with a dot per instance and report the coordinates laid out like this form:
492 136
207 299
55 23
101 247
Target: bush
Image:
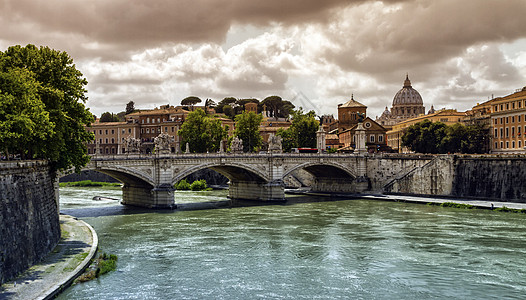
198 185
182 185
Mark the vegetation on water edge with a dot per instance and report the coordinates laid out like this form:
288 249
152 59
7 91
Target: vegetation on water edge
85 183
105 263
513 210
468 206
198 185
453 204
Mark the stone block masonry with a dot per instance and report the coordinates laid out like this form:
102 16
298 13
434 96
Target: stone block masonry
29 215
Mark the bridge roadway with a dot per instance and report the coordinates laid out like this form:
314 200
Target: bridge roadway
148 180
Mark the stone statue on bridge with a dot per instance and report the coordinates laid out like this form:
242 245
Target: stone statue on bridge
237 145
162 143
133 145
274 144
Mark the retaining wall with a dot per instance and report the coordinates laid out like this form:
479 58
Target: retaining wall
29 215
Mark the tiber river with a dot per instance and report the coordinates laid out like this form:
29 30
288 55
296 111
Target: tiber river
313 249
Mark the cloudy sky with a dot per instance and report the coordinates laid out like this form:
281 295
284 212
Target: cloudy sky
315 53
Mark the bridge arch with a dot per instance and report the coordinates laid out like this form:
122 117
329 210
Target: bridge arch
323 169
124 174
233 171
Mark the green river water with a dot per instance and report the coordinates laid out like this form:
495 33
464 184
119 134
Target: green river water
307 248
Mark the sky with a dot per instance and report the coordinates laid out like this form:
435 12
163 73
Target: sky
311 52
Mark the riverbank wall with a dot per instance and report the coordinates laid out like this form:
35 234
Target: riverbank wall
29 215
491 177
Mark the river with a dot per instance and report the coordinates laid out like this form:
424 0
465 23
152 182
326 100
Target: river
312 249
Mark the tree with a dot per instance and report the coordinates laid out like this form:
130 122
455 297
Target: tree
192 100
226 101
276 107
61 88
130 107
24 123
302 131
202 133
247 129
424 137
108 117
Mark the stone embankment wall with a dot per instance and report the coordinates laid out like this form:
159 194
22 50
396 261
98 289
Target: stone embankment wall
29 215
492 177
501 177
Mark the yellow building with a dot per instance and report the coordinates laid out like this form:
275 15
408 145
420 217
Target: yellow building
508 121
446 116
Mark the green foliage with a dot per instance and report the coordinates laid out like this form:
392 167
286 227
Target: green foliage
198 185
513 210
192 100
103 264
302 132
247 129
24 122
86 183
130 107
277 107
182 185
437 137
226 101
51 78
202 133
109 117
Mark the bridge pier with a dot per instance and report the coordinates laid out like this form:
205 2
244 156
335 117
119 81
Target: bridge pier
260 191
157 197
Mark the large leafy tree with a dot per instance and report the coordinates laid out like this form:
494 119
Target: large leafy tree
424 137
202 133
24 123
277 107
192 100
247 129
109 117
61 89
437 137
302 131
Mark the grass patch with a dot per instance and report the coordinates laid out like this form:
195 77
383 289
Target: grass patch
103 264
85 183
452 204
513 210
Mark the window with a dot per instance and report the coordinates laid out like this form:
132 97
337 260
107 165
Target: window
100 131
89 151
444 120
380 138
495 109
513 107
502 132
501 107
159 130
507 145
507 106
173 129
142 130
113 150
158 120
106 131
520 144
371 138
147 130
123 131
501 145
496 147
112 131
513 119
106 140
507 132
142 121
165 129
496 133
112 140
501 120
148 120
100 142
513 144
495 121
519 130
507 120
107 150
512 131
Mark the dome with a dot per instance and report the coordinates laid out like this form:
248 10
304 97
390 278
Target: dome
407 95
386 114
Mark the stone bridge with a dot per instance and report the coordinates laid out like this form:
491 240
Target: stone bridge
148 180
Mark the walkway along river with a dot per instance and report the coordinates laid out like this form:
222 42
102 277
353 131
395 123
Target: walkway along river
364 249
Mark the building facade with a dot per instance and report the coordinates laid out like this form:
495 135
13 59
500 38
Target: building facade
508 123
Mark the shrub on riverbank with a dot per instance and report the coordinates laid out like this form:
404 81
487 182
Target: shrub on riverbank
103 264
453 204
198 185
513 210
85 183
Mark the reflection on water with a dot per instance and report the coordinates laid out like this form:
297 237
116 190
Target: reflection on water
333 249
